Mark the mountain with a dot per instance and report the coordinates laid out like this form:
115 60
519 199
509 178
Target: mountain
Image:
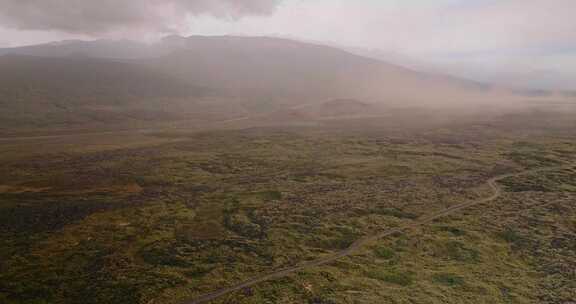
38 91
105 48
520 72
261 63
303 69
114 49
75 81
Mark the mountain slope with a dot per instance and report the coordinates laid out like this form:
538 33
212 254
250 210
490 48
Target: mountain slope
115 49
300 68
68 82
38 91
263 63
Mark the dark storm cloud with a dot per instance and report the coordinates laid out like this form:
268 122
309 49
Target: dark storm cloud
103 16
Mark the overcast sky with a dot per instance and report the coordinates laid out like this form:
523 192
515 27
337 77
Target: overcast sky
515 36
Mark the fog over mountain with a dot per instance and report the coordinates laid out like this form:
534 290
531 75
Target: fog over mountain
513 42
62 82
393 68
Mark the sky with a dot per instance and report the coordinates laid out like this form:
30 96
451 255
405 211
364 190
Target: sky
523 41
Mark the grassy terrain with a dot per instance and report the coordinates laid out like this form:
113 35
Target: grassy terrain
165 217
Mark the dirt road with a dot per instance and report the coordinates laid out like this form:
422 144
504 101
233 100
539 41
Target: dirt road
493 183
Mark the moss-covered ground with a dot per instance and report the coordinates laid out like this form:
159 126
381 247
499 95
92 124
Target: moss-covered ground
163 221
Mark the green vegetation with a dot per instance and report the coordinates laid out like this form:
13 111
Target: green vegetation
384 253
396 213
455 231
448 279
177 216
564 180
457 251
393 277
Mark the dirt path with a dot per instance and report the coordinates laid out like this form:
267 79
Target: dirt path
493 183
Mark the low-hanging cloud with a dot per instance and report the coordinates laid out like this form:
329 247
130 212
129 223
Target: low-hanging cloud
93 17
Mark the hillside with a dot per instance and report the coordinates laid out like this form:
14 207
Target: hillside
49 91
79 82
116 49
292 67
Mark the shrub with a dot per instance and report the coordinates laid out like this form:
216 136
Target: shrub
458 251
270 195
511 236
453 230
242 225
448 279
393 277
162 253
198 271
396 213
384 253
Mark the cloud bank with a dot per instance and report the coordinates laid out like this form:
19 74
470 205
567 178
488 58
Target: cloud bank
95 17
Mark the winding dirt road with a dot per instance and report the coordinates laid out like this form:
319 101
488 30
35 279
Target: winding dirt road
493 183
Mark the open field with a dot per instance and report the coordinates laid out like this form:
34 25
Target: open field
169 215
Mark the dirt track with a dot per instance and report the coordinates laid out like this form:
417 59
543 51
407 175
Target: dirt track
493 183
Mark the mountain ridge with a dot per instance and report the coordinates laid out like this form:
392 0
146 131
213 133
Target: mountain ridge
239 74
